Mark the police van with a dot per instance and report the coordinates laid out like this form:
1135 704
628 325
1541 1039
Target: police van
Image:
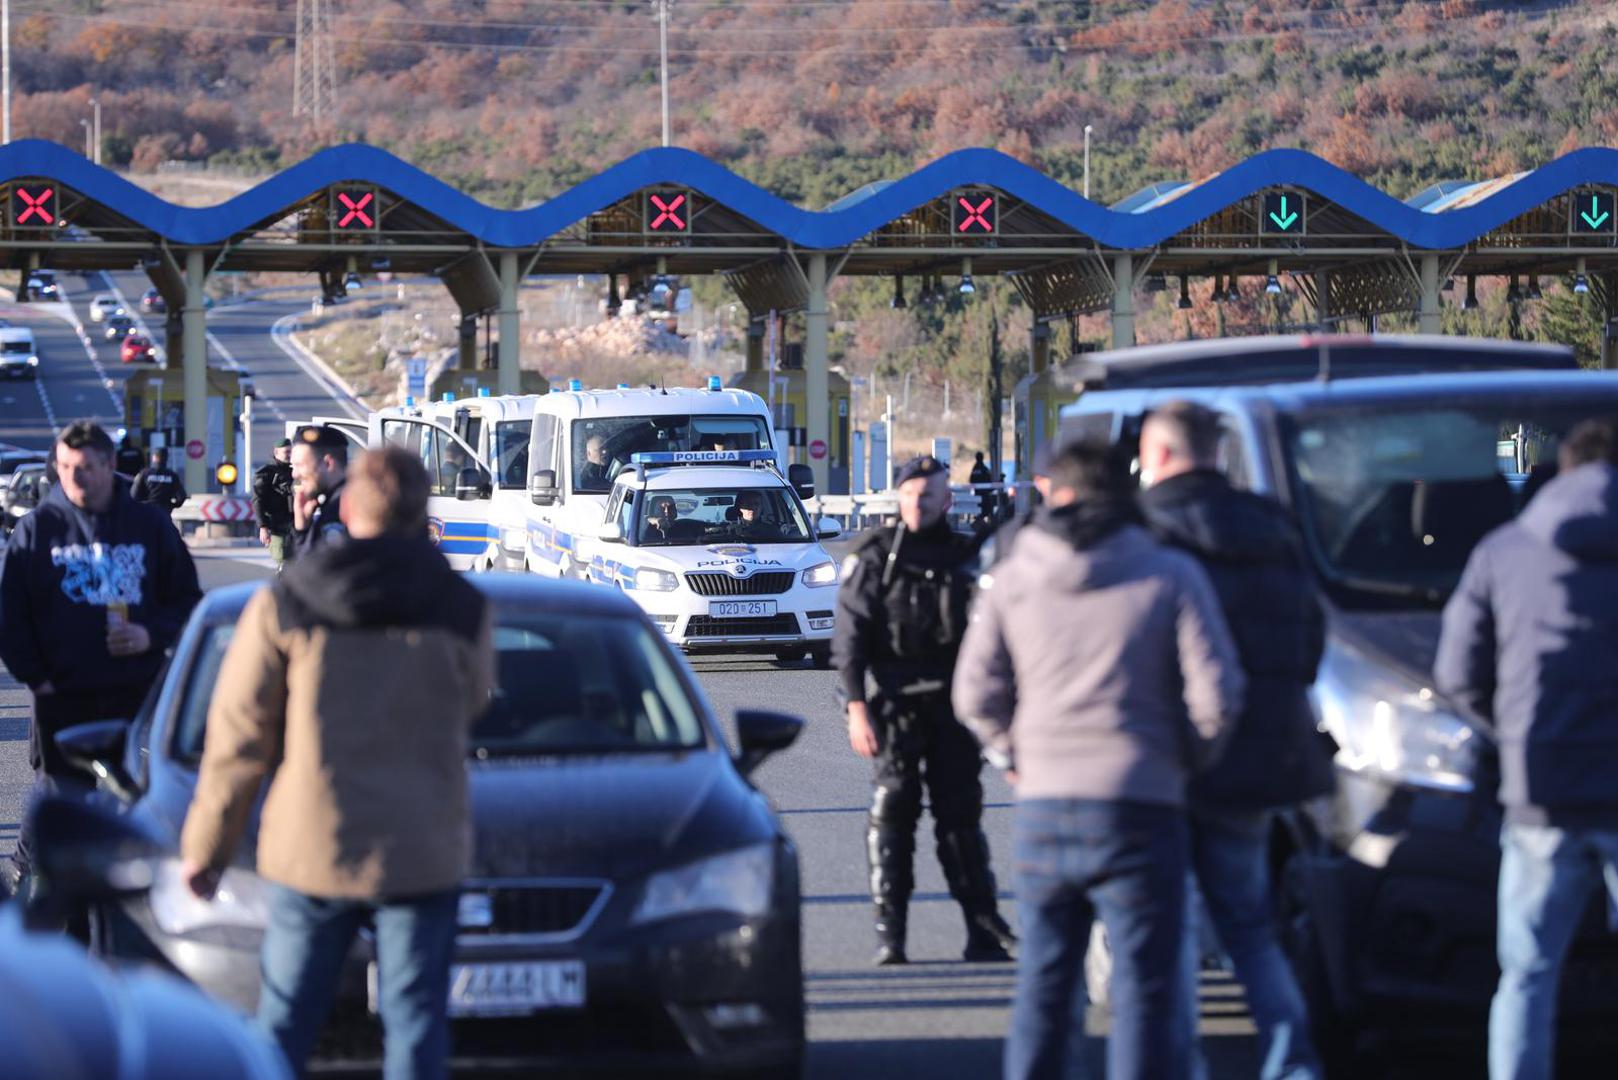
520 481
720 552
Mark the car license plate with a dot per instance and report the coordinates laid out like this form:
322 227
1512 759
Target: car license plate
509 989
741 609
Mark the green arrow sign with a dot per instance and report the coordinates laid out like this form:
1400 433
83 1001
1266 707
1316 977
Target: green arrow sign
1284 212
1284 219
1594 216
1591 212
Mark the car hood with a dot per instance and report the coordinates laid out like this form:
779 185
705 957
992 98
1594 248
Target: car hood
1405 641
725 557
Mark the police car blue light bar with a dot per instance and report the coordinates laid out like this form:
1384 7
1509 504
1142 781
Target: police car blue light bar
714 383
483 391
575 384
701 457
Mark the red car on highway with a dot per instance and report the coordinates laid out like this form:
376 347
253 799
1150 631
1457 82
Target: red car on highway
137 350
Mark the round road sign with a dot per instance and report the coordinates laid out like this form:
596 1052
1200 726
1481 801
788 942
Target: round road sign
817 449
194 449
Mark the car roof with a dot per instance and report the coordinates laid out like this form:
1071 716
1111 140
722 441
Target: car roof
506 591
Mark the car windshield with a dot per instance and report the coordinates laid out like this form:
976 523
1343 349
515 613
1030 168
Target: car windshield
1393 496
23 347
568 684
511 452
601 448
755 515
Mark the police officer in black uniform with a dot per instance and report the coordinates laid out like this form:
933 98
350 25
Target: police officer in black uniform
272 502
998 543
158 484
319 470
902 612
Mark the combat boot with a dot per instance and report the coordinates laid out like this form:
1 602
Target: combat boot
891 853
964 856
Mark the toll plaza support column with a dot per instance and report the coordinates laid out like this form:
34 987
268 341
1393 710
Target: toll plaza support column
755 343
194 337
1123 301
1323 300
817 395
1431 320
1609 324
1040 347
509 380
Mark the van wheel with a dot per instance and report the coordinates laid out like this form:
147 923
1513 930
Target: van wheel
791 656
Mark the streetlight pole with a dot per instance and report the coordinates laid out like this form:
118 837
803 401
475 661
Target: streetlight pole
663 53
95 104
5 71
1086 161
85 124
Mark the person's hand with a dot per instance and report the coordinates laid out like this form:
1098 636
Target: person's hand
303 505
128 639
264 537
202 881
861 735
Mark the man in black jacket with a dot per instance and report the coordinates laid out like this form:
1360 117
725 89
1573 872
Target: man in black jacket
158 484
319 468
901 614
1275 758
96 586
272 501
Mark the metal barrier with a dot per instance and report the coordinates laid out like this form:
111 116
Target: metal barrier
230 515
882 507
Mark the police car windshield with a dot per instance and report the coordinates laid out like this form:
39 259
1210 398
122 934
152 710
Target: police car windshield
602 447
1393 496
568 684
754 515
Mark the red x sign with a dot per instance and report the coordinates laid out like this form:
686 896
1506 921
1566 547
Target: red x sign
356 209
27 206
667 212
975 214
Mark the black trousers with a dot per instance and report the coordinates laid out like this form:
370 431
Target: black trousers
923 745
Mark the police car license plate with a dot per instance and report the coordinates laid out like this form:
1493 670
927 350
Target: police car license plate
741 609
509 989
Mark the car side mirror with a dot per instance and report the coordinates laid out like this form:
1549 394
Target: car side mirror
542 487
469 485
824 531
610 532
802 479
98 748
763 732
85 851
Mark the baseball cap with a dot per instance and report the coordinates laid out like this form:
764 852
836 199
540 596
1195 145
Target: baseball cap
283 444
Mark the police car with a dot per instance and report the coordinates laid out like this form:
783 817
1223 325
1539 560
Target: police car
719 551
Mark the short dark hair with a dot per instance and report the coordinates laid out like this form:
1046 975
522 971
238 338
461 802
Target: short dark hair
1087 469
324 439
84 435
1590 440
1193 429
390 485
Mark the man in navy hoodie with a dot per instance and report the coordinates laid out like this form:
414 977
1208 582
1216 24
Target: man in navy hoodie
95 587
1528 645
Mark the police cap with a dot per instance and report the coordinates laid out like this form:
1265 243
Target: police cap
323 438
284 444
923 465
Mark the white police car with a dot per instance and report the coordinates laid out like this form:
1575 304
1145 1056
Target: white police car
718 549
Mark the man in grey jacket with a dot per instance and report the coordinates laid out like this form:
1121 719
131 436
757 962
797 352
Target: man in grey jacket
1099 669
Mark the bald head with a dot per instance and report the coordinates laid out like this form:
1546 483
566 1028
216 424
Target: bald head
386 495
1178 437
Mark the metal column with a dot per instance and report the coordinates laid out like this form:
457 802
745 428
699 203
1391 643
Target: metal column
1323 300
1431 320
509 380
195 345
755 343
1123 301
1609 312
1040 347
817 396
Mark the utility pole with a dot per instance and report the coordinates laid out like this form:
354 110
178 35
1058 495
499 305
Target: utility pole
1086 161
663 55
95 105
314 74
5 70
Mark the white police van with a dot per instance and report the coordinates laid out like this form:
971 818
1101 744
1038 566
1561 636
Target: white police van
719 550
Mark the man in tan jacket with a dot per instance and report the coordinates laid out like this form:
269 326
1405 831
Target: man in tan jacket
350 685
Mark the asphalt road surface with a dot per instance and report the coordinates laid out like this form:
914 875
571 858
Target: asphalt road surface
938 1017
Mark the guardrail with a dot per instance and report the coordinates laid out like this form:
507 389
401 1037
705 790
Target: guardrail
882 507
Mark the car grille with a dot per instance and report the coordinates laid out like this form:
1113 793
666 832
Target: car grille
707 626
536 909
770 583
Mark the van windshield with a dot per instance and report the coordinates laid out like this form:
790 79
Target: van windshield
602 447
1393 496
22 346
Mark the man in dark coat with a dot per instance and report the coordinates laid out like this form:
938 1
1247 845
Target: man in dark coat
1275 758
158 484
319 470
272 501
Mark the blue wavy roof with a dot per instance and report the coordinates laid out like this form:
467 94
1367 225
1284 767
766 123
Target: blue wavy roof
840 225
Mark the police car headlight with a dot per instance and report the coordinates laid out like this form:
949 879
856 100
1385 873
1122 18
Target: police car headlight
821 575
33 361
737 883
648 579
240 901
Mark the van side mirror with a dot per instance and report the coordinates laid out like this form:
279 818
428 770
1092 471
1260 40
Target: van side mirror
802 479
542 487
610 532
469 485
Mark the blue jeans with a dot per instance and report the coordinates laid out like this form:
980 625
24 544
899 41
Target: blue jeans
1229 857
1077 859
1546 877
305 946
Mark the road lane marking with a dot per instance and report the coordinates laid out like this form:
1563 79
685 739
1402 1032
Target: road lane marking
70 316
45 400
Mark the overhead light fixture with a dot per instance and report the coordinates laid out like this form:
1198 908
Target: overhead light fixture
1185 293
1581 284
967 288
1233 293
1471 301
1533 288
1449 284
1156 283
381 262
1272 284
1219 289
352 282
151 261
1513 294
899 292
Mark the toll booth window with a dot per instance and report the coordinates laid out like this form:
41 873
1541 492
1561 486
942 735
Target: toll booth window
511 440
603 448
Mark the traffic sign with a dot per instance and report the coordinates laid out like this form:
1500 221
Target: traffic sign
1592 212
194 449
667 212
817 449
33 204
1284 213
354 209
974 212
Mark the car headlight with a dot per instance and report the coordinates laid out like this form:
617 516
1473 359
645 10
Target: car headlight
33 361
240 901
1387 726
737 882
648 579
821 575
